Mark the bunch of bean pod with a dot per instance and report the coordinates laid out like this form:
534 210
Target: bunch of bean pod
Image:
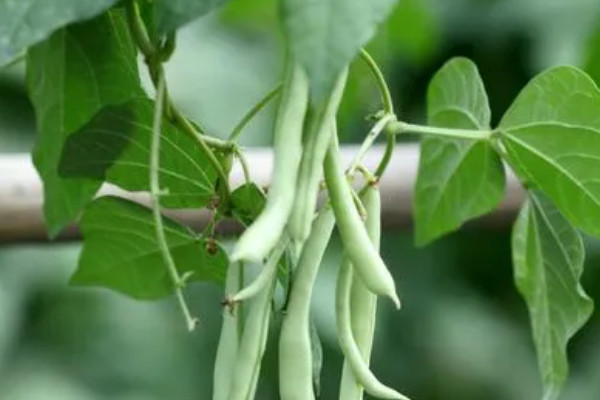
306 150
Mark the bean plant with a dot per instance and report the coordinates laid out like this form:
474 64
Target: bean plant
97 124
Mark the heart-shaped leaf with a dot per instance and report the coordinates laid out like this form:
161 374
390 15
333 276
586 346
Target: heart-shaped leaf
325 35
458 179
120 251
551 135
71 76
26 22
548 257
115 146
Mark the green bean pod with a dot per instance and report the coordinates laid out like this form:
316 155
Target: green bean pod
365 259
254 386
295 356
260 237
352 354
363 303
252 346
315 142
266 275
228 341
256 373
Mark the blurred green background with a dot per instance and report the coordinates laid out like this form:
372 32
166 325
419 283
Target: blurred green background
464 331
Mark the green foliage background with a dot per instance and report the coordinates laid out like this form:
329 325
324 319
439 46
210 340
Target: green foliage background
464 331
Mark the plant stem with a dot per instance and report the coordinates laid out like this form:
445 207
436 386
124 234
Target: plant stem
197 133
200 139
168 46
362 211
367 175
369 140
387 155
386 97
388 106
242 158
150 52
217 143
399 127
139 31
155 194
237 130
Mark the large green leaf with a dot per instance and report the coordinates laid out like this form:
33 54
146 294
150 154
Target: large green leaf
71 76
115 146
171 14
26 22
325 35
120 251
551 134
458 179
548 257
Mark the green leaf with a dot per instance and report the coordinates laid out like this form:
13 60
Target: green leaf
458 179
325 35
592 55
120 251
26 22
548 257
115 146
171 14
71 76
247 202
551 135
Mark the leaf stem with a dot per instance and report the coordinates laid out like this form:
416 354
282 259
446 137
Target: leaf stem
197 133
200 139
362 211
242 159
387 155
237 130
154 62
155 193
386 97
139 31
369 140
399 127
367 175
388 106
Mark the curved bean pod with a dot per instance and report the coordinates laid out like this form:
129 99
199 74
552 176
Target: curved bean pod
315 142
365 259
266 275
295 356
359 367
228 341
363 303
252 346
260 237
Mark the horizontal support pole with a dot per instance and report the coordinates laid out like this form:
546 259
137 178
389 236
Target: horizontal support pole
21 194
